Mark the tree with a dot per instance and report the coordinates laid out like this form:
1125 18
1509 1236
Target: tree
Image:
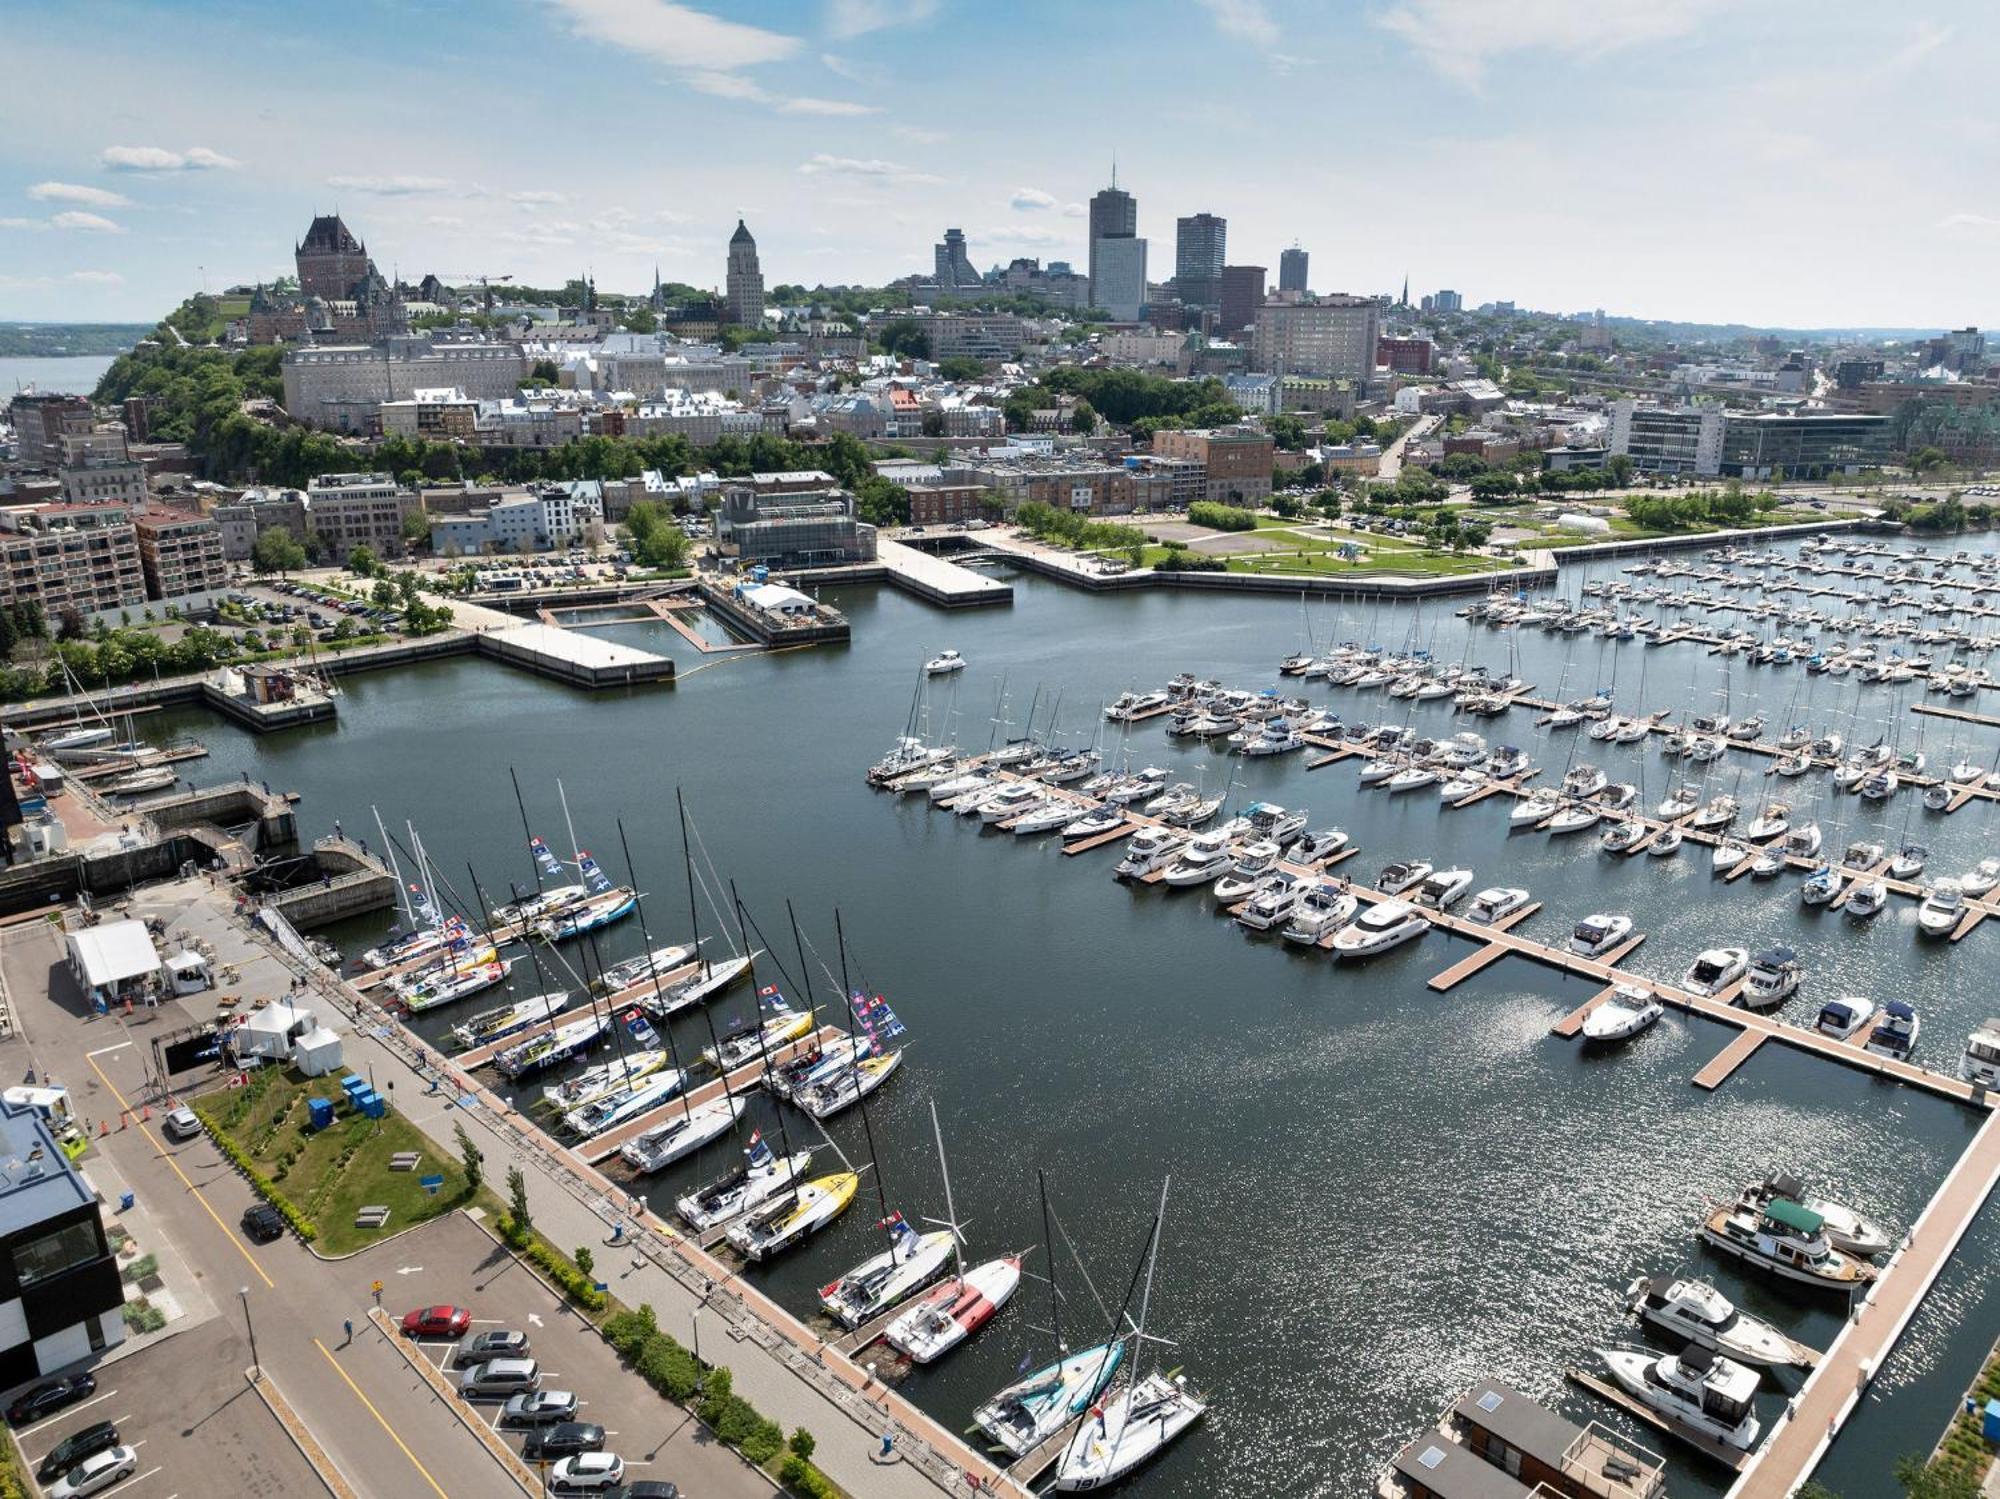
275 551
384 594
416 527
345 628
653 537
641 320
517 1199
905 337
961 368
363 562
1939 1480
1083 420
1288 431
470 1154
585 1260
1493 487
1618 467
69 623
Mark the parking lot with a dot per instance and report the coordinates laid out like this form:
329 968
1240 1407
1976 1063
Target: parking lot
463 1266
186 1410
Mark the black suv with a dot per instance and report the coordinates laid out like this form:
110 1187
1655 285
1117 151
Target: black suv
565 1439
74 1448
262 1223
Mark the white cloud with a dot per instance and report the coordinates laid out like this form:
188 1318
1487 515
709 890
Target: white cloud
675 34
1245 20
1074 210
535 197
1979 221
160 159
731 86
71 192
1023 234
851 18
98 278
398 186
1459 37
19 223
871 167
1930 36
94 223
1031 200
918 135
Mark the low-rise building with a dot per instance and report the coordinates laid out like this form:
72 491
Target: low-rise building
1064 480
341 387
792 527
997 335
1237 460
1412 354
938 504
1163 483
1802 445
346 511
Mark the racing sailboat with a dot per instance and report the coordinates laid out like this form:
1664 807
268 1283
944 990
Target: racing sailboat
912 1261
943 1318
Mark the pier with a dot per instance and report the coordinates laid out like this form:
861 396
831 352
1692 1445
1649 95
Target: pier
571 656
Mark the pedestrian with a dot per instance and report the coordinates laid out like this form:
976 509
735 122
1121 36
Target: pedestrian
348 1327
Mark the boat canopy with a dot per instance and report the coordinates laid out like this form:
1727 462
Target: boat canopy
1776 957
1789 1214
1899 1010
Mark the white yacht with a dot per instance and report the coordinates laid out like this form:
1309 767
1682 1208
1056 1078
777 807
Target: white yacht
1495 904
1820 886
1270 821
1868 899
1862 856
1379 928
1574 817
1719 812
943 1318
682 1135
1097 820
1772 977
1442 888
1980 1062
1620 836
789 1217
1845 1229
1842 1018
1133 1426
1273 903
1981 879
1044 817
1010 802
1680 801
1204 860
1411 778
1943 905
1803 841
762 1176
1584 780
1137 787
1666 842
1150 850
1908 864
944 662
624 1103
644 968
1319 845
1626 1011
1596 935
1533 807
1696 1389
603 1078
1323 909
1773 822
1895 1033
1715 970
1727 854
1695 1310
1253 864
1397 878
1617 797
1787 1239
912 1261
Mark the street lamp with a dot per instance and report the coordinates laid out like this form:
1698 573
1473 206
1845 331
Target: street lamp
699 1379
256 1370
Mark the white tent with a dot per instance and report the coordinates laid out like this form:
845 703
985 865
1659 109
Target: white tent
189 972
272 1030
317 1052
108 958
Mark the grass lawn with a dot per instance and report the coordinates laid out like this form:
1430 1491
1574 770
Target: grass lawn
1408 560
330 1174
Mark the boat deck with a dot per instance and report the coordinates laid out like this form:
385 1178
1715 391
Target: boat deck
1707 1446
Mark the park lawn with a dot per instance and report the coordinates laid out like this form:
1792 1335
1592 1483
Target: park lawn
1327 562
330 1174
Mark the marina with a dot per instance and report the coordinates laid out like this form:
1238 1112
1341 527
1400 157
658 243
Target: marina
1657 1144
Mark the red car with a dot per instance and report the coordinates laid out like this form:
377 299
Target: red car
437 1322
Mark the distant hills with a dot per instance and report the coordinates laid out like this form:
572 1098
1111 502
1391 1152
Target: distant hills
56 339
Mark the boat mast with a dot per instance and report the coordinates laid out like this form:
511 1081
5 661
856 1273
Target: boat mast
389 851
575 848
861 1097
950 1211
694 919
1139 1331
653 972
757 1019
534 954
1055 1304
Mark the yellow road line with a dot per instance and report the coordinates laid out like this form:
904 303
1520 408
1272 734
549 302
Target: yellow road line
160 1150
400 1443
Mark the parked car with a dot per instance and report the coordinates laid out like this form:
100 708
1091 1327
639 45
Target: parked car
499 1343
262 1223
96 1473
49 1397
587 1473
501 1376
75 1447
539 1407
564 1439
181 1125
645 1488
437 1322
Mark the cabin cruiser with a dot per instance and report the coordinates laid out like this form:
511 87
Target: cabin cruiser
1324 908
1584 780
1803 841
1787 1239
762 1176
1715 970
791 1216
1534 807
1133 1426
682 1135
1772 978
1573 817
1151 850
1867 898
1379 928
1441 888
1031 1410
1895 1034
1011 801
1695 1310
1861 857
1845 1229
944 662
1696 1390
1130 705
1982 878
1273 903
1909 862
1253 864
1943 906
1980 1063
946 1316
1397 878
912 1261
1319 845
1204 860
1097 820
1594 936
1270 821
1618 796
1626 1011
1719 812
1842 1018
1773 822
1495 904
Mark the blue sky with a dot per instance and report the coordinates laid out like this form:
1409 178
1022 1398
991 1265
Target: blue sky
1798 162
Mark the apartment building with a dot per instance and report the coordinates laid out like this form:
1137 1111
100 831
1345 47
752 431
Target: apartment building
1336 336
1236 460
972 335
82 557
349 510
1068 482
41 420
179 552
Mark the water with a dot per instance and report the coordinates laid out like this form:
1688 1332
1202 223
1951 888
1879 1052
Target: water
1380 1194
69 374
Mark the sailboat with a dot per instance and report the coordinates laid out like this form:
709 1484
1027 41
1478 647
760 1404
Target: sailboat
1141 1419
871 1063
912 1261
603 904
762 1175
524 910
793 1215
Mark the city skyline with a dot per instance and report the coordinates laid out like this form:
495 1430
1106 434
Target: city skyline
850 135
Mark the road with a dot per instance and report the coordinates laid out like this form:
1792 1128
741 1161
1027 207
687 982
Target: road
1392 456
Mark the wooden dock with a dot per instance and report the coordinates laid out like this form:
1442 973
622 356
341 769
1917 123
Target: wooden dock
479 1056
1707 1446
1966 791
1732 1056
1124 829
1492 952
1027 1469
1982 719
1571 1023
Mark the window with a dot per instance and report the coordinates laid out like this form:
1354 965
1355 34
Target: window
52 1254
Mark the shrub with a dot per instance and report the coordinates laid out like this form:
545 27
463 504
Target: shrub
573 1282
800 1477
262 1185
143 1266
802 1442
1221 517
1190 562
143 1317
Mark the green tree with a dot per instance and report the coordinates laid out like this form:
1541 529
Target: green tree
363 562
275 551
1082 420
1494 487
416 527
1618 469
470 1154
585 1260
641 320
961 368
654 538
905 338
1288 431
517 1199
383 595
1939 1480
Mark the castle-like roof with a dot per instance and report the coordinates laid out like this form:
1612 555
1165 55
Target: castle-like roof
329 236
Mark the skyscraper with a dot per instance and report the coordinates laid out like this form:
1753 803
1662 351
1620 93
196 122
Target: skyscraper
1198 257
1242 295
744 289
1292 270
954 266
1113 215
1119 287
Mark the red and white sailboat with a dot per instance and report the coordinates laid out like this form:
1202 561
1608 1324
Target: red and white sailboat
945 1316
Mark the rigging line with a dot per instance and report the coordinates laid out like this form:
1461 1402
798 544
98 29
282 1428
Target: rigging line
1063 1234
713 874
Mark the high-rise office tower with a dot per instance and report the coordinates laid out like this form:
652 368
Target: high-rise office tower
1292 270
744 288
1114 214
1198 257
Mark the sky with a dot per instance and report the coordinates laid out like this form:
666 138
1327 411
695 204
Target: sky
1800 163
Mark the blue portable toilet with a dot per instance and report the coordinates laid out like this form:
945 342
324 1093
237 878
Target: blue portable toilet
372 1104
1989 1425
321 1110
354 1086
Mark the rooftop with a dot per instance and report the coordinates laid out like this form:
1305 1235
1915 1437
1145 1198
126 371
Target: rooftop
37 1181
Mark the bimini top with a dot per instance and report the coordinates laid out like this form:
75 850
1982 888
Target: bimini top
1789 1214
1899 1010
1776 957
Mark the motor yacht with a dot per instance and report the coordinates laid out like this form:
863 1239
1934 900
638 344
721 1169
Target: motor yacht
1253 863
1129 706
1011 801
1862 857
1276 738
1867 898
1379 928
1151 850
944 662
1203 861
793 1215
1495 904
1273 903
1942 908
1323 909
1980 1061
1617 797
1270 821
1842 1018
1696 1390
1908 864
761 1177
1694 1310
1506 762
1845 1229
1573 817
1442 887
1626 1011
1772 978
1788 1239
1397 878
1319 845
1895 1033
942 1318
1596 935
1715 970
1097 820
1584 780
1534 808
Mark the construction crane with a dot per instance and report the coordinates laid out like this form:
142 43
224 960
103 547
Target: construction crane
485 280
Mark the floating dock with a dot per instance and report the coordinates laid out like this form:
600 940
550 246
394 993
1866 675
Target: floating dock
571 656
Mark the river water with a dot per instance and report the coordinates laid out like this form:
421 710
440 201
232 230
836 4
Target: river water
1379 1194
68 374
